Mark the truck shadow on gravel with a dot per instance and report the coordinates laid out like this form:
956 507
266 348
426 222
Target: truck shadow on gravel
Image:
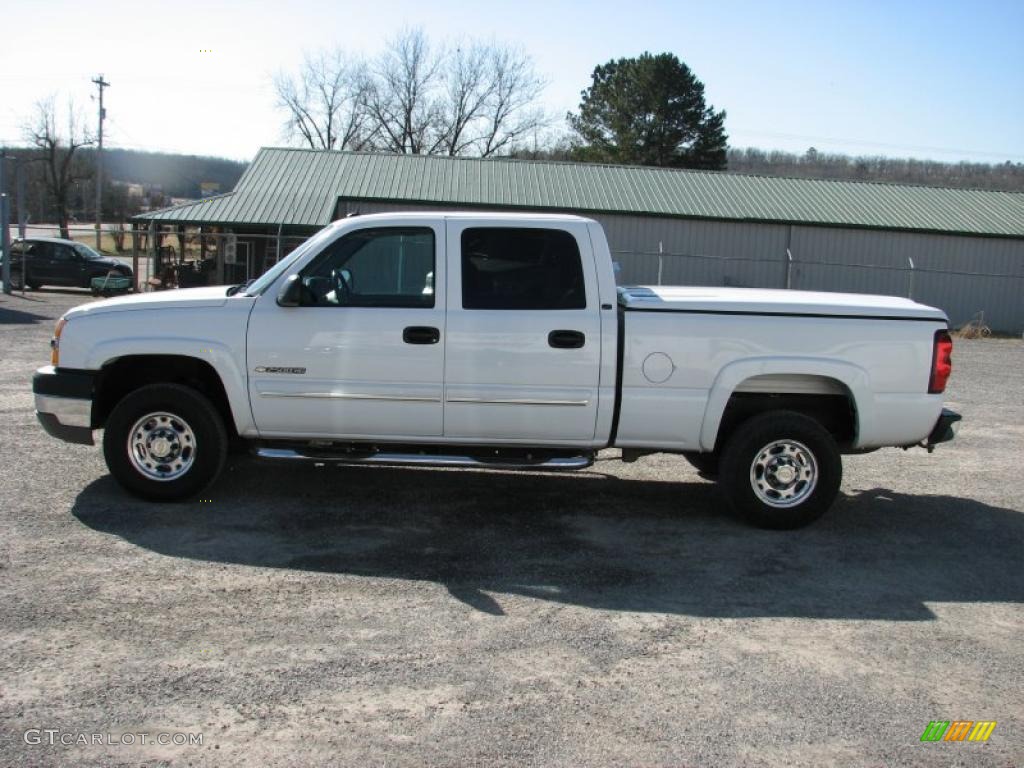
9 316
585 539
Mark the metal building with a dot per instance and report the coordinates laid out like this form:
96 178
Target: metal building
961 250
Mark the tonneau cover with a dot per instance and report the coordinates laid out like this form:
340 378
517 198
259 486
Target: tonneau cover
763 301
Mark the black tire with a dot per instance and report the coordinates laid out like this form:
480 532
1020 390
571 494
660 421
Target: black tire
705 463
205 455
15 279
745 458
34 285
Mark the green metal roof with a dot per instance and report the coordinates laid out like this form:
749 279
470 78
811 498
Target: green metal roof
301 187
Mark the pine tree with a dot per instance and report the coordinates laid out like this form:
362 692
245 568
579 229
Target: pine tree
648 110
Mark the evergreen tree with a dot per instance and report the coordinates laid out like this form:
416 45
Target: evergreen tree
648 110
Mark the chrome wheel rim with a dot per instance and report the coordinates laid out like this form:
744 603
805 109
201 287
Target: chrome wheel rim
783 474
161 446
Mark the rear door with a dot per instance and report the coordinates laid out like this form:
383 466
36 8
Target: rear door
38 262
523 351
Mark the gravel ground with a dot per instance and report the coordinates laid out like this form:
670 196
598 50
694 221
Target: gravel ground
371 616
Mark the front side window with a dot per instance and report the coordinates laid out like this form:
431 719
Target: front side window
521 268
87 253
378 267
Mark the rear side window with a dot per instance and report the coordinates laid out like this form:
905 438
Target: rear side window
38 250
519 268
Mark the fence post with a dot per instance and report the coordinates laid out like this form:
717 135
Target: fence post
910 282
135 256
789 269
154 251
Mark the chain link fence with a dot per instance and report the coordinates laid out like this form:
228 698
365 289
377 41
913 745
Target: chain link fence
173 259
994 297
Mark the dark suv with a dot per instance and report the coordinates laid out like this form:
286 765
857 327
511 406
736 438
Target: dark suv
51 261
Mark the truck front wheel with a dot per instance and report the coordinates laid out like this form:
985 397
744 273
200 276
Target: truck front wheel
165 442
780 470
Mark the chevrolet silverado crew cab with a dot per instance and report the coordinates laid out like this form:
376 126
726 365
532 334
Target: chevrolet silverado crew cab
495 340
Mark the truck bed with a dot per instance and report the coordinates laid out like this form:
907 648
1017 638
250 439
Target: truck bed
763 301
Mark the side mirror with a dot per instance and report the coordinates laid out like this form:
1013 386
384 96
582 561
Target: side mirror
291 292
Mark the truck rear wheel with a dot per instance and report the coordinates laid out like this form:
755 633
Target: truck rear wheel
780 470
165 442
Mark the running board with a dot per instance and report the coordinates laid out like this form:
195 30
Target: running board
427 460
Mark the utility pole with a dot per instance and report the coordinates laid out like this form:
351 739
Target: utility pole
101 84
19 185
5 235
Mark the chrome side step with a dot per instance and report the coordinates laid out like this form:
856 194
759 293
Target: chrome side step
427 460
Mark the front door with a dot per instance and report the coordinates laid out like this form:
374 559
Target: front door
363 357
523 351
68 267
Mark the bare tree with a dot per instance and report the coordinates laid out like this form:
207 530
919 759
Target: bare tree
402 97
416 97
467 87
470 98
325 102
511 112
57 150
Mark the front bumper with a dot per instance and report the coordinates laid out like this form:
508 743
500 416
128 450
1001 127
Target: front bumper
64 403
945 428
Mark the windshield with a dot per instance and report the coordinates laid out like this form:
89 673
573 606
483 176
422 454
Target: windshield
86 252
264 281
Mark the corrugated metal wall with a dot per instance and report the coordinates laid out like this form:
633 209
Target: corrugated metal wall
962 275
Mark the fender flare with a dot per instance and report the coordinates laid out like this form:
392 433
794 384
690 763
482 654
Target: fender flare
214 353
853 377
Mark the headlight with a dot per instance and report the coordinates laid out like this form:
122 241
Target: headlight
55 342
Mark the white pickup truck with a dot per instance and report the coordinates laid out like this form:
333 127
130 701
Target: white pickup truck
496 340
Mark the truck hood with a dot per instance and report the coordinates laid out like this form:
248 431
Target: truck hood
183 298
762 301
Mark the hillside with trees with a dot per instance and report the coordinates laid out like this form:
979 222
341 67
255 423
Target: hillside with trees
1006 177
175 175
59 176
822 165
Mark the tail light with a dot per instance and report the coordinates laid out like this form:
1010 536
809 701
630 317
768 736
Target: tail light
942 362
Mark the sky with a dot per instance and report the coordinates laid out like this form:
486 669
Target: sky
904 78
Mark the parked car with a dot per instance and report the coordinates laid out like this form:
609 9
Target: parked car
496 340
43 261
